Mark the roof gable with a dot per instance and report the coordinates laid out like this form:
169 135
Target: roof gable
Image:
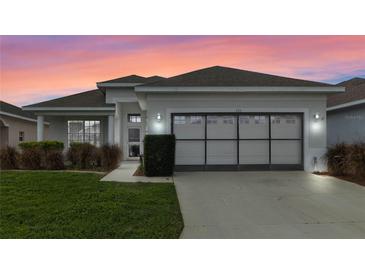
90 98
9 108
229 77
133 79
355 91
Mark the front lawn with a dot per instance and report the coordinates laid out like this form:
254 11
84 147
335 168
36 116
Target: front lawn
77 205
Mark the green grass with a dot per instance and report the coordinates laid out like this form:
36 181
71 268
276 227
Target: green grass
77 205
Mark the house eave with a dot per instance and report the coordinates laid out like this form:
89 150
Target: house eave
243 89
68 108
346 105
20 117
116 85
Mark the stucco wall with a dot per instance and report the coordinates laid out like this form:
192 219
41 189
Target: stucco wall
315 141
346 125
16 125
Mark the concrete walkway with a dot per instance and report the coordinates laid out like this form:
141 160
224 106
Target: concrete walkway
269 205
125 172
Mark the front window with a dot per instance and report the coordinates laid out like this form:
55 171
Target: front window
134 118
21 136
84 131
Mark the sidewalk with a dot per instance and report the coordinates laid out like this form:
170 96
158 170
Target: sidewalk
124 173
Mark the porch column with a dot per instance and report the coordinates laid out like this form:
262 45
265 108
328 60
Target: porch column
40 128
111 129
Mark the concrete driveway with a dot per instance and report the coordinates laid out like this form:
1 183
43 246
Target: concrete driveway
269 205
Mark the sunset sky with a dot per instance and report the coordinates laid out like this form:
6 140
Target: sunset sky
37 68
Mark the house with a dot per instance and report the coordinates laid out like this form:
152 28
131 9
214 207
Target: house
17 125
346 113
223 118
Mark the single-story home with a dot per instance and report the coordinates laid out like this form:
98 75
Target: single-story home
223 118
346 113
17 125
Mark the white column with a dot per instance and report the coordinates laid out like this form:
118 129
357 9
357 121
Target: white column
118 123
111 129
40 128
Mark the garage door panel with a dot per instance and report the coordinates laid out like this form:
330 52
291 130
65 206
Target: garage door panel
190 153
286 126
221 152
254 152
221 127
189 127
286 152
254 126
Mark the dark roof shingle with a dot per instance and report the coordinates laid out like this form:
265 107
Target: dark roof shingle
224 76
91 98
9 108
133 79
355 90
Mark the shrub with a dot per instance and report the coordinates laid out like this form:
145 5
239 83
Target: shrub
31 158
159 155
337 159
42 148
8 158
356 159
54 160
83 155
110 156
44 145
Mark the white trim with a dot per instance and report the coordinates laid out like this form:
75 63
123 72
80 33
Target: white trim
20 117
106 85
241 89
68 108
345 105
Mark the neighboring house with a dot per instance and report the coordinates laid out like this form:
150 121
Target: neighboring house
17 125
223 118
346 113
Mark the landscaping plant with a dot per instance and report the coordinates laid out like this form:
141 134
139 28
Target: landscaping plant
55 160
31 158
83 155
357 159
110 156
8 158
337 159
159 155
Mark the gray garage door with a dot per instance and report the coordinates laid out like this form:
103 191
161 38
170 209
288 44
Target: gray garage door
238 141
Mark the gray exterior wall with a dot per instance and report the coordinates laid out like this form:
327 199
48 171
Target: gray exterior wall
346 125
15 125
315 140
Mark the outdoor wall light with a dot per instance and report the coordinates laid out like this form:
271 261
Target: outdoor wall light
316 116
158 117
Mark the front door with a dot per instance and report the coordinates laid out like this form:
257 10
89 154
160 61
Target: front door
134 142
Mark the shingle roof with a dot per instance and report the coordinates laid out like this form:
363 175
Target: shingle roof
355 90
9 108
91 98
224 76
131 79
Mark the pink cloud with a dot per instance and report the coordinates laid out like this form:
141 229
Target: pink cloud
33 68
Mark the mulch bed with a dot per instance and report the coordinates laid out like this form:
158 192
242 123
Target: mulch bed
139 171
349 178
